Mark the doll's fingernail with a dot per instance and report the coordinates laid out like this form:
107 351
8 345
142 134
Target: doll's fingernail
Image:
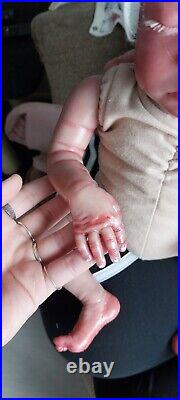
117 258
61 349
102 264
124 247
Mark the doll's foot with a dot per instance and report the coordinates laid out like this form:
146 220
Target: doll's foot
93 317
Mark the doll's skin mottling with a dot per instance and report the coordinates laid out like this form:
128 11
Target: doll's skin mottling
97 218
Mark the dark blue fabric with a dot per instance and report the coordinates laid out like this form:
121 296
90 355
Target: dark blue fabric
139 338
159 382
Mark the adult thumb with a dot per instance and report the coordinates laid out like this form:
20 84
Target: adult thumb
10 188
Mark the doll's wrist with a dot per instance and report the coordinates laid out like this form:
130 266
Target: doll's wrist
80 186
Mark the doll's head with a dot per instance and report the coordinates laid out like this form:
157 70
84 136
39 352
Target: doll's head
156 54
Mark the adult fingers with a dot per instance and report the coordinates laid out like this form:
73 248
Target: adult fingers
10 188
120 236
46 216
31 194
57 244
65 269
63 222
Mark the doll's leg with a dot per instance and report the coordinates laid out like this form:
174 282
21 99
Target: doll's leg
99 308
32 124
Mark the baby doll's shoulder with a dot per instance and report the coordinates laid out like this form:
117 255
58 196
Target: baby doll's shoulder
116 88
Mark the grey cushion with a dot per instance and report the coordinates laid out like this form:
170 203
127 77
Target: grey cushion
67 50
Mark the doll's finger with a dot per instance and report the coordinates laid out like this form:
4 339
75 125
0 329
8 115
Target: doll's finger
120 234
175 344
82 245
123 247
110 242
57 227
95 246
64 269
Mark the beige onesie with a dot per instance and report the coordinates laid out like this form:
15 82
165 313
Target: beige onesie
138 163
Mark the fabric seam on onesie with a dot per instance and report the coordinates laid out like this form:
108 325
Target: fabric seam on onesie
155 207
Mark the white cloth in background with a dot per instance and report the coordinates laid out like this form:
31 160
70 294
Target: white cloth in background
108 14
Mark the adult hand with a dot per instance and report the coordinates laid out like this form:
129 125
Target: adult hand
25 285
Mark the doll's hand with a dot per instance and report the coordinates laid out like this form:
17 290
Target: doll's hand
98 226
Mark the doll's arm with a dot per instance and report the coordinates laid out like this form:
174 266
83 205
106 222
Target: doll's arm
73 132
96 215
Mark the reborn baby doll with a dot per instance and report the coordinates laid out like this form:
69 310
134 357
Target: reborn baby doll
134 107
